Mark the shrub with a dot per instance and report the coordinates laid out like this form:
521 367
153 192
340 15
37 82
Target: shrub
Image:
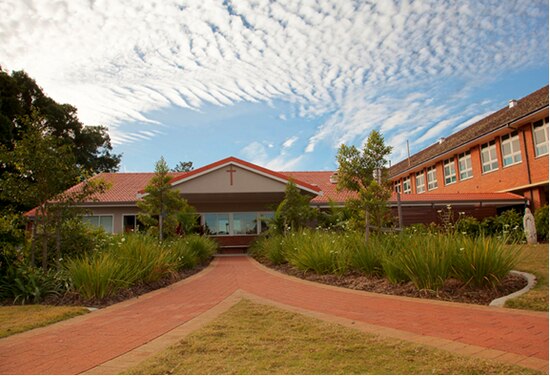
320 252
541 222
483 261
270 247
425 260
510 226
468 225
99 275
364 257
201 246
149 260
28 284
181 254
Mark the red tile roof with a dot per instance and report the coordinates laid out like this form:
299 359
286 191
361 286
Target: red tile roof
124 188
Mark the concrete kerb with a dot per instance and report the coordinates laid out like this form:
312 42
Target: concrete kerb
531 282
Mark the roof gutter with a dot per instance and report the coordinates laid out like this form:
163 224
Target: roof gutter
506 125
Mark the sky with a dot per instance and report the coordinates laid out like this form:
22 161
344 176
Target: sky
278 83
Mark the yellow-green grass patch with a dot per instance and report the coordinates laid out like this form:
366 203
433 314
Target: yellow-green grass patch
258 339
534 259
17 319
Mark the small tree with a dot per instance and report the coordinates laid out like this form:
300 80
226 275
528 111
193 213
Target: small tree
357 171
183 167
161 204
294 211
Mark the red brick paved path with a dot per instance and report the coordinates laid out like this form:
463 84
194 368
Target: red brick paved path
82 343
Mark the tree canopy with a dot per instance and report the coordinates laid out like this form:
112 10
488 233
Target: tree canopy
161 204
357 170
87 147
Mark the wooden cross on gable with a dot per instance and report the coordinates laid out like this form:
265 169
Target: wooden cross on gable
231 172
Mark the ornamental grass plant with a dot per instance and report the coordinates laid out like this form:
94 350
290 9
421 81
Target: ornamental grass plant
133 259
483 261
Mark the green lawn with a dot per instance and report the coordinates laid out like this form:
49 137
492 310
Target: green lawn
17 319
534 260
258 339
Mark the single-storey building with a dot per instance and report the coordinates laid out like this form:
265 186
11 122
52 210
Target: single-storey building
235 198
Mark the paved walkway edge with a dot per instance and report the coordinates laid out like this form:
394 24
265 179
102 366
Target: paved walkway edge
531 282
132 358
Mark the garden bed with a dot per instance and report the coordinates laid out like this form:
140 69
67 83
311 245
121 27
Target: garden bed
135 291
452 291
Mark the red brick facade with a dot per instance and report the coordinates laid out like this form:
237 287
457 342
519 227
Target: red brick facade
527 177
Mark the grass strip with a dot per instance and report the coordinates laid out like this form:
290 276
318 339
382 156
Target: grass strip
17 319
258 339
533 259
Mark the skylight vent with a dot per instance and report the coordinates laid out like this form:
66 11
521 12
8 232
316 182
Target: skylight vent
512 103
334 178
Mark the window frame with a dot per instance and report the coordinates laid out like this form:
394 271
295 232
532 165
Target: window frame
397 186
260 217
469 170
452 176
431 171
492 163
511 139
544 125
407 182
99 216
420 188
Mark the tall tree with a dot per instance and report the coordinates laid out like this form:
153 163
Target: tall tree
20 99
161 204
357 170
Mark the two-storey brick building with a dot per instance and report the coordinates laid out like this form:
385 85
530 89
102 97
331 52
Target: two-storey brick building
506 151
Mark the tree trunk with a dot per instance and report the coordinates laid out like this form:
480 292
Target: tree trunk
58 245
160 227
34 239
399 211
367 225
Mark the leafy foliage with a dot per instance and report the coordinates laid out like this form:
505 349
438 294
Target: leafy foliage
541 222
183 167
356 173
22 99
294 212
161 204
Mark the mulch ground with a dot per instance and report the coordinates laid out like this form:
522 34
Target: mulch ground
452 291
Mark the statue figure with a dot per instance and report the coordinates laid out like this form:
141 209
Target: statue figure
529 227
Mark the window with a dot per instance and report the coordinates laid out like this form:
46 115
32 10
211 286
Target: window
432 178
216 224
245 224
465 166
449 171
103 221
397 186
240 223
129 223
489 161
407 186
511 153
420 182
540 137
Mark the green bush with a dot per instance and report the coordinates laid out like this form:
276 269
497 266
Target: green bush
426 260
181 254
99 275
541 222
201 246
483 261
149 259
320 252
270 247
24 283
364 257
467 225
510 226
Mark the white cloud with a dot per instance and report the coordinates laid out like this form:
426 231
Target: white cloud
289 142
351 62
